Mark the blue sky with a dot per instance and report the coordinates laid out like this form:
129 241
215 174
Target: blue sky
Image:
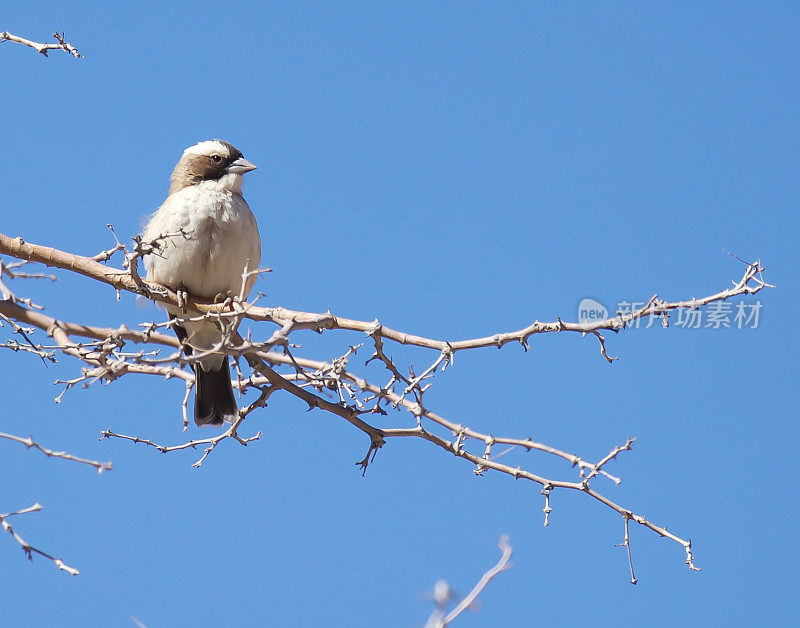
454 169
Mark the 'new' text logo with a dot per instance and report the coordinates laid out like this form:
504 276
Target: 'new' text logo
591 311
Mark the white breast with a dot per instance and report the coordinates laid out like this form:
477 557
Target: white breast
222 240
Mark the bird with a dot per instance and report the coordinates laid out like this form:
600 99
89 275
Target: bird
206 242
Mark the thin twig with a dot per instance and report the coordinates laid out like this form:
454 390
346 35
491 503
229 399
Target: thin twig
30 443
29 549
442 593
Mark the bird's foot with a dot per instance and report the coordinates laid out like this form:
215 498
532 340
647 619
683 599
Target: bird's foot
227 301
182 296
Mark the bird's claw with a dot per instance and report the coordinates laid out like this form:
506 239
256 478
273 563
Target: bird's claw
182 297
227 301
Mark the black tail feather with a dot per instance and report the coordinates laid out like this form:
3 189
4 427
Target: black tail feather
214 402
213 399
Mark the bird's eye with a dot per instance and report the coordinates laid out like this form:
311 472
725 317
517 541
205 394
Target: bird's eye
216 158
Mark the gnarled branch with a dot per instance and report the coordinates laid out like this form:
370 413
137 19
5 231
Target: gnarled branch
60 44
350 396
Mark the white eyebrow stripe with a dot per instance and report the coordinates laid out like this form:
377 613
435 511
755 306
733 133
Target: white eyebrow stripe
207 148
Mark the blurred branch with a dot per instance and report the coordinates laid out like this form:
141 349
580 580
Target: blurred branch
61 44
443 595
29 549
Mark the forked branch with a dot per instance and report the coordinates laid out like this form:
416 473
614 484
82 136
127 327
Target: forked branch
27 547
332 386
43 48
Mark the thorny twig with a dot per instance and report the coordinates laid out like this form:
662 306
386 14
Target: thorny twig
30 443
750 283
212 442
353 398
29 549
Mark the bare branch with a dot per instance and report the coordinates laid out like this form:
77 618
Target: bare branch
626 543
749 283
483 462
323 375
212 442
61 44
29 549
29 442
442 594
327 385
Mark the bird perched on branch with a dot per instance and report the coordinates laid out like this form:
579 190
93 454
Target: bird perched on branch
206 243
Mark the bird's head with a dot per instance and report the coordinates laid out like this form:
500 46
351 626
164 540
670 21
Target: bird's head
213 160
